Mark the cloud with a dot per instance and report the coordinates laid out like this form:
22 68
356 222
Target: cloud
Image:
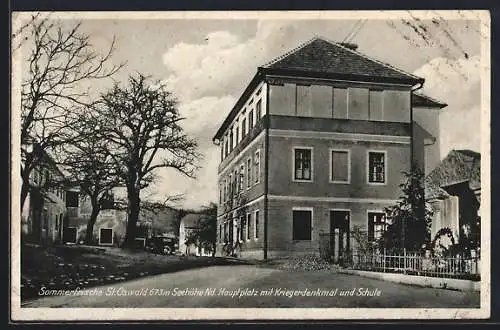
208 78
457 83
224 63
203 117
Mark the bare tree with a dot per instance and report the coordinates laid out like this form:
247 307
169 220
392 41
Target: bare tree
88 166
141 123
60 65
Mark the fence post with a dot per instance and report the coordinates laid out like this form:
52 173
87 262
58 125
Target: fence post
404 260
383 263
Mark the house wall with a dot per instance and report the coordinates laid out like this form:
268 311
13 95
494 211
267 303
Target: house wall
248 248
428 119
281 166
280 223
256 189
249 109
340 100
42 215
446 214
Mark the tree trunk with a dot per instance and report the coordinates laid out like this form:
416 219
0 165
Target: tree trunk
24 193
89 235
134 202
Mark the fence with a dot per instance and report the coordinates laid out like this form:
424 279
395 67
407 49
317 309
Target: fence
458 267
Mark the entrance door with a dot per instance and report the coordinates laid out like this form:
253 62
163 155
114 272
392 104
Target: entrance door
339 235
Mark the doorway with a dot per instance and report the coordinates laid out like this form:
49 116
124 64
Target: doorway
339 235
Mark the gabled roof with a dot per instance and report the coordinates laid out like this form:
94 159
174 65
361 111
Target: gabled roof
457 167
323 56
424 101
320 58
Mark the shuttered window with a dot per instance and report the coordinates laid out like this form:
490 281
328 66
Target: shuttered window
340 166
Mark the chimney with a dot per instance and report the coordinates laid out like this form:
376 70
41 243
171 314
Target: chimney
349 45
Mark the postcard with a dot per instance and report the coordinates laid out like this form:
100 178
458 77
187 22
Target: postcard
257 165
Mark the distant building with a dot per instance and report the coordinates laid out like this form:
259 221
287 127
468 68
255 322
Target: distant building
316 144
453 189
111 223
189 224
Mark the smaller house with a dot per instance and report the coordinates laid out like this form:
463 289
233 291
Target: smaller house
44 208
189 224
453 189
111 224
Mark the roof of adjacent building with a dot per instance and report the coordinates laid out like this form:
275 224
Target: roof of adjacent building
424 101
457 167
324 56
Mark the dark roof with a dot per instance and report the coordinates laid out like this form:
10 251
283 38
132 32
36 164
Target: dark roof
457 167
421 100
320 55
320 58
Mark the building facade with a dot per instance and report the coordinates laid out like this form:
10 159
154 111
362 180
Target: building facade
316 145
453 189
44 210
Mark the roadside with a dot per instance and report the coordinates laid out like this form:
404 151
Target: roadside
68 267
250 286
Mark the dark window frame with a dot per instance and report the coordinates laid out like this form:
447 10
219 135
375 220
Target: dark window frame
303 160
302 231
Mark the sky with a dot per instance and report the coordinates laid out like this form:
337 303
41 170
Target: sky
207 64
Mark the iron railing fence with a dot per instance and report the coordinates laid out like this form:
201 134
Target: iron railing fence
414 263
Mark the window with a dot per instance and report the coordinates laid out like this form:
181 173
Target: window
106 236
220 234
230 187
303 164
237 134
241 178
243 228
250 119
249 225
224 191
225 232
235 183
249 172
222 151
256 227
258 110
340 166
302 225
257 166
231 140
71 199
226 146
220 195
243 128
377 225
376 167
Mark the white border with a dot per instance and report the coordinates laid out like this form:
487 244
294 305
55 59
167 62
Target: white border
141 314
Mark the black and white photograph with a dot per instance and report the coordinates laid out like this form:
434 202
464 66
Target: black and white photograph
250 165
